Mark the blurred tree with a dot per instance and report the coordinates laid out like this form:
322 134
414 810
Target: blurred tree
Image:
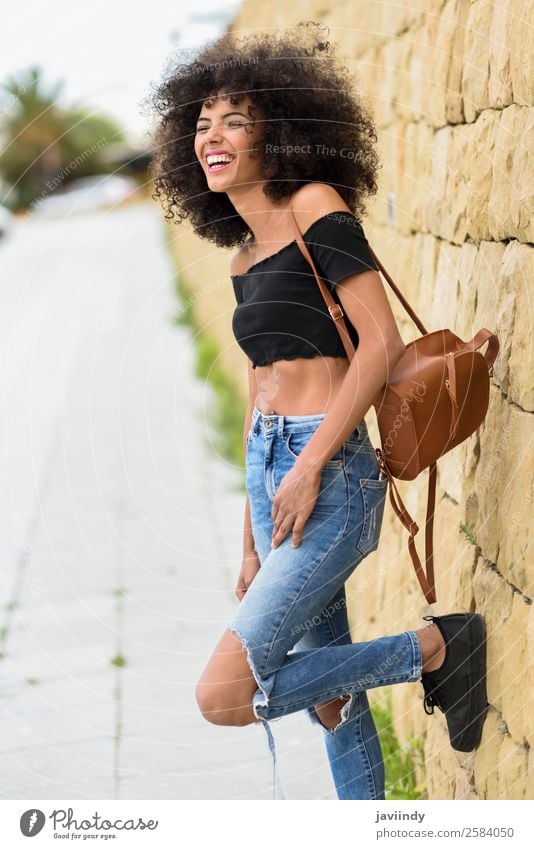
45 145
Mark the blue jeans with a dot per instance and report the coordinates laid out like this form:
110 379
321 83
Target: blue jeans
293 618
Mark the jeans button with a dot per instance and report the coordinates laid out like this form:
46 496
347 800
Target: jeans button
268 424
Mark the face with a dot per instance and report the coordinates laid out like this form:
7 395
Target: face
226 133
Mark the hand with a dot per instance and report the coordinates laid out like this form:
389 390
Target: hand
249 569
293 504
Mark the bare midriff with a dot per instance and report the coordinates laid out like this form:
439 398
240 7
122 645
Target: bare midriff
299 387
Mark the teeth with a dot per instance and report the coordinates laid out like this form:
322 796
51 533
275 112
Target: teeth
222 157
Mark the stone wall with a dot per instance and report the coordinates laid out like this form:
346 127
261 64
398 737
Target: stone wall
451 86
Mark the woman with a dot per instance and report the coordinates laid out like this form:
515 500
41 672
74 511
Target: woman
273 120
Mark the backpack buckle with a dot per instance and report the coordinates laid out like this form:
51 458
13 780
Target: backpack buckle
337 309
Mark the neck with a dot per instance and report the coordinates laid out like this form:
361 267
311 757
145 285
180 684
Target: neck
266 219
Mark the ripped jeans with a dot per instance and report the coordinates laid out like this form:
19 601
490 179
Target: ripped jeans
293 619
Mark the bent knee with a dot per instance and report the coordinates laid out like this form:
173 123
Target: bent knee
330 712
220 705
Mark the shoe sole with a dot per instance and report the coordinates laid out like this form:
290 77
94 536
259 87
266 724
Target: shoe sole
469 738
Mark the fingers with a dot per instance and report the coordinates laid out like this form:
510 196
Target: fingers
298 527
281 530
295 523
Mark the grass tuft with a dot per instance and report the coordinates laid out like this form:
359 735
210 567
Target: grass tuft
401 763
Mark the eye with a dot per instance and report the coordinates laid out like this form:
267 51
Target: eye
229 125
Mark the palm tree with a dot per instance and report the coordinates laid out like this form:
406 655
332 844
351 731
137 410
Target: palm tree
41 138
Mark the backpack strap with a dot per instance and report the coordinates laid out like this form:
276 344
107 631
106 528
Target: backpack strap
426 579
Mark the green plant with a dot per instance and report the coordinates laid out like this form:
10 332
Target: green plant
118 660
467 531
184 316
400 762
228 415
45 143
228 412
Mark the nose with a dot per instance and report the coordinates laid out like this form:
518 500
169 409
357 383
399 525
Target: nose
213 132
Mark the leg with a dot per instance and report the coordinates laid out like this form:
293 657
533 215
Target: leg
293 584
290 587
227 691
226 687
352 746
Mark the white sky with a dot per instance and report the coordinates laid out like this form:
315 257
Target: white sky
107 51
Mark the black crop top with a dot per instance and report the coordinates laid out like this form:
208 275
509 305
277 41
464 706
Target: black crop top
281 313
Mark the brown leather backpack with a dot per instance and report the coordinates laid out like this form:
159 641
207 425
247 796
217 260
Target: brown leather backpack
434 398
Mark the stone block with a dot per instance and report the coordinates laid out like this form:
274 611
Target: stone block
504 489
518 672
435 209
516 274
421 167
454 560
447 287
465 319
500 78
516 506
486 776
455 224
522 179
475 70
492 476
416 73
522 55
454 104
529 788
495 308
510 126
479 171
409 718
512 770
440 60
442 764
493 599
428 253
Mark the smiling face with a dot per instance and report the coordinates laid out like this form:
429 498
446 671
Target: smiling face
226 134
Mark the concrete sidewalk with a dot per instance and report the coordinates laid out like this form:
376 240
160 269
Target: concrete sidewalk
120 533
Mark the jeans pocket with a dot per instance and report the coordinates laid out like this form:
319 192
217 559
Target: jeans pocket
374 499
296 442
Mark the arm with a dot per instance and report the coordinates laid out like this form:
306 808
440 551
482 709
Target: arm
366 305
251 562
236 262
248 539
366 375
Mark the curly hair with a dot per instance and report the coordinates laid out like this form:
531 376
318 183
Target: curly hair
307 97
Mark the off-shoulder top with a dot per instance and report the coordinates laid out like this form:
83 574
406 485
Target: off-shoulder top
281 313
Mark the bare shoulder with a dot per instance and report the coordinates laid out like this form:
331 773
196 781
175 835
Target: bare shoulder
314 200
240 260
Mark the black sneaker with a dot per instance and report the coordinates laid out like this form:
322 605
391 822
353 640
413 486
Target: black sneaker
458 687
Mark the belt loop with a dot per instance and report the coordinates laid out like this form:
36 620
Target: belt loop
255 421
281 420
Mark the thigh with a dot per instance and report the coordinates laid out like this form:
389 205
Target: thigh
295 584
329 627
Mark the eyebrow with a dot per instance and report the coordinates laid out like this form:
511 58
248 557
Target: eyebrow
226 114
